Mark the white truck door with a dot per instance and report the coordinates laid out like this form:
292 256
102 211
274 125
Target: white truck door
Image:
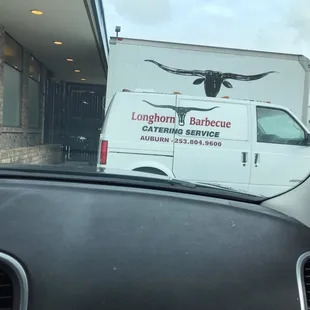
212 143
280 160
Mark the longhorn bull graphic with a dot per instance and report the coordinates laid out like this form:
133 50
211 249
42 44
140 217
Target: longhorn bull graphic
212 80
180 111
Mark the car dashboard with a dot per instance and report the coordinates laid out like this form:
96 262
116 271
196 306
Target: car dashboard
68 245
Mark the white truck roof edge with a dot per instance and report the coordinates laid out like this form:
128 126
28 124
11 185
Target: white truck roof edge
205 48
305 63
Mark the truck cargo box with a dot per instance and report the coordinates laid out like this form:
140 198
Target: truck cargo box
193 70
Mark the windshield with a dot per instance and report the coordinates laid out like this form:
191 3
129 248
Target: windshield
278 123
201 92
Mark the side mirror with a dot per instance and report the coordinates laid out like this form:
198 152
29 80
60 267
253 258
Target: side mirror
307 140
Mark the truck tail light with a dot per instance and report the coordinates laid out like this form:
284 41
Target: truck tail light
103 152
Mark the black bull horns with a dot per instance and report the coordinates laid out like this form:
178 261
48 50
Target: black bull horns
212 80
180 111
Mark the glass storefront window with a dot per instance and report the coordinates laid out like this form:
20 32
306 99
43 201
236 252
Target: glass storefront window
13 53
33 104
12 97
34 69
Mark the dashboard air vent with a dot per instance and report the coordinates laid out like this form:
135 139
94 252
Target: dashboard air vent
306 273
6 291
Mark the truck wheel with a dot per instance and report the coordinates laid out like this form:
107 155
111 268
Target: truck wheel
150 170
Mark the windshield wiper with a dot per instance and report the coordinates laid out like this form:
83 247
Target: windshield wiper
190 184
146 182
228 188
219 186
183 183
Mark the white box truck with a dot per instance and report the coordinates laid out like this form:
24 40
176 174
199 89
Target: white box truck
180 125
203 71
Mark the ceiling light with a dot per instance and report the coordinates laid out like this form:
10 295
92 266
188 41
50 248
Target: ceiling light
77 70
83 79
58 43
36 12
69 59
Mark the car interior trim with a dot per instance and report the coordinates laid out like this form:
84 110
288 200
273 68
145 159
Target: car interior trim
300 280
21 276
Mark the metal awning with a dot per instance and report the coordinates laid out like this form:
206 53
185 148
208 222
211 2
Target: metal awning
78 24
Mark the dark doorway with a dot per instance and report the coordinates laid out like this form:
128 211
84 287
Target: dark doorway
74 114
55 112
84 118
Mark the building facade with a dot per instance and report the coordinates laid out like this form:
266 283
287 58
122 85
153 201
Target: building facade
37 96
